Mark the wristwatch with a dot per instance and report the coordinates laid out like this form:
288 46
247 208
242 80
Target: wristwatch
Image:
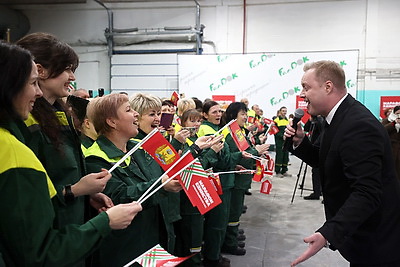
68 196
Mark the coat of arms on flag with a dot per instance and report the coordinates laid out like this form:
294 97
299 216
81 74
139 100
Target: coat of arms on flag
198 188
238 136
161 150
174 98
259 174
158 257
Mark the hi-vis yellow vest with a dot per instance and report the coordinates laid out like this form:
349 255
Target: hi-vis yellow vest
14 154
95 150
207 130
281 122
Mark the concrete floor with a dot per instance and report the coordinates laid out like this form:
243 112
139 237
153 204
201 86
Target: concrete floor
275 228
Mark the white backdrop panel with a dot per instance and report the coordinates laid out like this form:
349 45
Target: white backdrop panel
270 80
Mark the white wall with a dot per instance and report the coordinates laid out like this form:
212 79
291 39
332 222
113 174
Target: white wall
370 26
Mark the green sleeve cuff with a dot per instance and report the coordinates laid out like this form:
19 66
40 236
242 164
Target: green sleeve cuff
102 223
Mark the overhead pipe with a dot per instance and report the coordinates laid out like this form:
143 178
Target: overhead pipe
199 28
154 51
110 40
109 31
244 27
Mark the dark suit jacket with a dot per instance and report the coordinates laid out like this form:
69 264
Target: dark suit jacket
359 184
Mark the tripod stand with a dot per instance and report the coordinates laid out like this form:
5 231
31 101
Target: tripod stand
302 181
312 127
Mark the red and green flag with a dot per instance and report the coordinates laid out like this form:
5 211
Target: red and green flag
158 257
199 188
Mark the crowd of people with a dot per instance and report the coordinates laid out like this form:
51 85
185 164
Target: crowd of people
58 147
62 207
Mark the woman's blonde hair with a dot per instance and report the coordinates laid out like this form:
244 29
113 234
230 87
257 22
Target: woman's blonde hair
143 102
185 104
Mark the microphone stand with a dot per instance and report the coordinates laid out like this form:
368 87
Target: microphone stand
304 174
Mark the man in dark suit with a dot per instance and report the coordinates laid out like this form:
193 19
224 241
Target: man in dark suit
359 184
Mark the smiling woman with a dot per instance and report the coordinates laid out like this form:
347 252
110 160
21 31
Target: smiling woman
28 237
52 135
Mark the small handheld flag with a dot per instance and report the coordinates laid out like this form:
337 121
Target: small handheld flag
238 136
199 188
174 98
158 257
266 187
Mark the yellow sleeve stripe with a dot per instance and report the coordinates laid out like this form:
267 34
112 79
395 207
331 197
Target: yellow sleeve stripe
15 154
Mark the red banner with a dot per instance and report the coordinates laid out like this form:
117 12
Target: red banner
388 102
300 103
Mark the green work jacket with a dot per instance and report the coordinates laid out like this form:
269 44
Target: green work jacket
27 236
226 161
64 166
127 184
242 181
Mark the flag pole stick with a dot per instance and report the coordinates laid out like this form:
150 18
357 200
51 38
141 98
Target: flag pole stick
226 125
167 181
257 158
159 178
132 150
234 172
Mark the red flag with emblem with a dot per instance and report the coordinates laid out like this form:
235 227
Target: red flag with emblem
162 151
259 174
174 98
238 136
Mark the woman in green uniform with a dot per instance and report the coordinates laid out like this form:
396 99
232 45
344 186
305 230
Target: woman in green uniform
28 237
117 123
52 136
238 111
149 109
190 228
216 220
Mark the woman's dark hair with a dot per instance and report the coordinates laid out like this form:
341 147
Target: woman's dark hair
207 105
190 114
232 111
53 54
15 70
199 104
396 108
167 103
